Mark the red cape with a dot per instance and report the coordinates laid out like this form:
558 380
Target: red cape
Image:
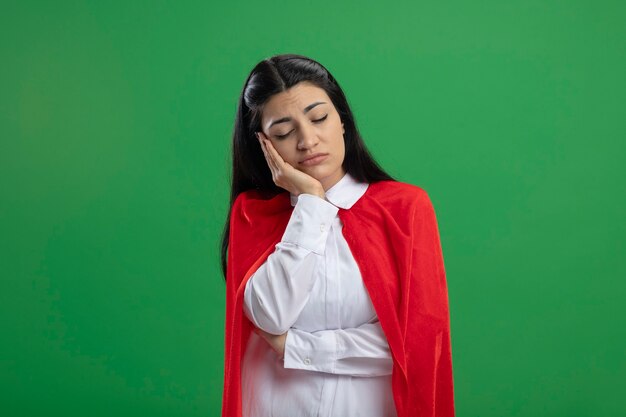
393 234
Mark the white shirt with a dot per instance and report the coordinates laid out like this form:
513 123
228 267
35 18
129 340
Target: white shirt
337 360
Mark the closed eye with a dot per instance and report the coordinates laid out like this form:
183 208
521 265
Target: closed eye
314 121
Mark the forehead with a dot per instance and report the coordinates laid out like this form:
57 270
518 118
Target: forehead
292 102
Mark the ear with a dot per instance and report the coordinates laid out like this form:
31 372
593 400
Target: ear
344 129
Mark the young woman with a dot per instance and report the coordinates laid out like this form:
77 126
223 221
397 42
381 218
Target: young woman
336 299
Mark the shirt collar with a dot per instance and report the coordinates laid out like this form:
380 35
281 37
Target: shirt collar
343 194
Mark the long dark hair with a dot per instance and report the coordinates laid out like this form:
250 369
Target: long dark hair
271 76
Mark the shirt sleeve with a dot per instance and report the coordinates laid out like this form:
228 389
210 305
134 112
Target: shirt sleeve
359 351
278 291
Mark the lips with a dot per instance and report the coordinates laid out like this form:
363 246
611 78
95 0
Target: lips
313 156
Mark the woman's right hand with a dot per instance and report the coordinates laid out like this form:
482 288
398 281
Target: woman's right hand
285 175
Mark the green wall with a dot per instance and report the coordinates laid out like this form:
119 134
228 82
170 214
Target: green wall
115 121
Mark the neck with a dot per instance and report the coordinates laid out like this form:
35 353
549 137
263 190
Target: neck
333 179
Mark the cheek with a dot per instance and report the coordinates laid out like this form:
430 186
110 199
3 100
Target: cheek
339 143
285 152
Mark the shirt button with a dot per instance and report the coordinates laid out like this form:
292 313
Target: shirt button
322 227
307 361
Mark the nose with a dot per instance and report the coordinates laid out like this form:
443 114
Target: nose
308 137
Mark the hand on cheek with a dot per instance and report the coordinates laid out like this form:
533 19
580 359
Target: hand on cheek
285 175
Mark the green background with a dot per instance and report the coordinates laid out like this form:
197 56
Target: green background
115 123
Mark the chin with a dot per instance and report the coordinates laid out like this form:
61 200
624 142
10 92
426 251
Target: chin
323 172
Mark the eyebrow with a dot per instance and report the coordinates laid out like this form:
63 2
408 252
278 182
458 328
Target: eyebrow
287 119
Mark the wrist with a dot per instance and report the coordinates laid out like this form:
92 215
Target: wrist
320 193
